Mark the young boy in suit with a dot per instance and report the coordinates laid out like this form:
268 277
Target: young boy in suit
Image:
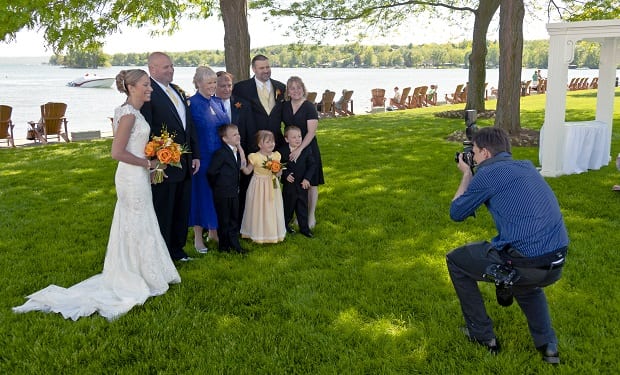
223 176
296 181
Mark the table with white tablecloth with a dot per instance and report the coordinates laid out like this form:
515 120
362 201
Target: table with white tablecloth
586 146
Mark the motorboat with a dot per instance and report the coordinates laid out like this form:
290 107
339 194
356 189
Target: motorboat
92 80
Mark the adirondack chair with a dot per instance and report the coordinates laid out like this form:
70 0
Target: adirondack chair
414 97
456 97
327 108
6 125
378 98
402 104
52 122
344 103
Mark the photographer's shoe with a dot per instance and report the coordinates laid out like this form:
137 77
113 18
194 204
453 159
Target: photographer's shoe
491 345
550 353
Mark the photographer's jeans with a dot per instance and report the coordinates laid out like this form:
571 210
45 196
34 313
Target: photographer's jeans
466 266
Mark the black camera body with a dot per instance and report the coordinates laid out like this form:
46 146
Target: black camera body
504 278
468 146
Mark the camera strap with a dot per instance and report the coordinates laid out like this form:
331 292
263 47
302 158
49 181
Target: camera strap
555 258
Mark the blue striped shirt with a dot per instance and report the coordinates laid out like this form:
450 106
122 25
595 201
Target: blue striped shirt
525 210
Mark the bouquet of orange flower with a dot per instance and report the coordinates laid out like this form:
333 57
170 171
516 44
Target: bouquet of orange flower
166 151
275 167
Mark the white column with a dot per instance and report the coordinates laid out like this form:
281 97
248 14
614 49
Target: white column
561 51
606 87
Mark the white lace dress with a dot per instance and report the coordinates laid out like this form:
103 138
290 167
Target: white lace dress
137 263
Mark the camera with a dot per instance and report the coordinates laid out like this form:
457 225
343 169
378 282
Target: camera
468 145
504 278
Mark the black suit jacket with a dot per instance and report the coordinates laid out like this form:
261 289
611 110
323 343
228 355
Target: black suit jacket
303 168
241 114
160 112
223 173
263 121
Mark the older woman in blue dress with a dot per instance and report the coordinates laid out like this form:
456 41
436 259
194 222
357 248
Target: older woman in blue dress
209 114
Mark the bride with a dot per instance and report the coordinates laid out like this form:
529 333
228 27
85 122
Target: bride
137 263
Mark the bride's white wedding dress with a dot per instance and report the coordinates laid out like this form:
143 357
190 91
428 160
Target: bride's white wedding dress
137 263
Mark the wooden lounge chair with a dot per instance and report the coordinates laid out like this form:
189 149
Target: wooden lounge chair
583 83
456 97
414 97
573 84
311 97
6 125
327 107
525 87
343 104
542 86
378 98
594 83
402 104
52 122
422 96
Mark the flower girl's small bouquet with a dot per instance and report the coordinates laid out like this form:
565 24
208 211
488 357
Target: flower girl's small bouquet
275 167
166 151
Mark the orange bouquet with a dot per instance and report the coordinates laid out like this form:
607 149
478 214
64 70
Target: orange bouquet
274 166
166 151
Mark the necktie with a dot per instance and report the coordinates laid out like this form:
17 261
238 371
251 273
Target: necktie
263 95
172 96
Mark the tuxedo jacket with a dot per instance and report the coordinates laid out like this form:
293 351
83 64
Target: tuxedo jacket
263 121
241 114
303 168
160 112
223 173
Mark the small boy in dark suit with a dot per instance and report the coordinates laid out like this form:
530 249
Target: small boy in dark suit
296 181
223 176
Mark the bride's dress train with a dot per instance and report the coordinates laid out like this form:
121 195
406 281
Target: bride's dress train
137 263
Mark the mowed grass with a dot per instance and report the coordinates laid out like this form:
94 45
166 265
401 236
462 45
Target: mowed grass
370 294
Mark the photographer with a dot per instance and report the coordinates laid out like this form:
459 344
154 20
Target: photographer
531 241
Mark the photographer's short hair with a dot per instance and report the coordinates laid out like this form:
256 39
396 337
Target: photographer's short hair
494 139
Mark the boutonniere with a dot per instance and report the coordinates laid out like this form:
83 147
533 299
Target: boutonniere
238 105
278 93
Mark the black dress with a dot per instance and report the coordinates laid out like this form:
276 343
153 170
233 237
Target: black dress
307 111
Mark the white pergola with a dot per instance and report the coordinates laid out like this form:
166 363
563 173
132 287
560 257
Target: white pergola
563 142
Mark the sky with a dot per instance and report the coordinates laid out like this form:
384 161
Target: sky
209 35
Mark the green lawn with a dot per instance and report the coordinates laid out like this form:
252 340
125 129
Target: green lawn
370 294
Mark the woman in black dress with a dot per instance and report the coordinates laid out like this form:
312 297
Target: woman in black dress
301 113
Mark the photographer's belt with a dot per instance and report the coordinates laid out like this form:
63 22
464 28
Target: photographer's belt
554 259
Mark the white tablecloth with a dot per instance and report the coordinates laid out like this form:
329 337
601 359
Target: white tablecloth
586 146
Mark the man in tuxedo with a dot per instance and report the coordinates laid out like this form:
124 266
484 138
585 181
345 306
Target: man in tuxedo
240 114
265 96
168 110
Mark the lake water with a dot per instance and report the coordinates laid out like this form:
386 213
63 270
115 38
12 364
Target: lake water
26 86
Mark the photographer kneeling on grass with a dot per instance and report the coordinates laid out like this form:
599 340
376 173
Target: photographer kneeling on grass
526 255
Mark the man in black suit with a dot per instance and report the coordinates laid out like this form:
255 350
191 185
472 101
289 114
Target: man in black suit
168 109
296 181
265 96
240 114
223 176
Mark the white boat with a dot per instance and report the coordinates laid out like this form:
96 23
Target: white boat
91 80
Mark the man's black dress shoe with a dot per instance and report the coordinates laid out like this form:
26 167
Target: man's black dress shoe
307 234
492 345
241 250
290 230
550 353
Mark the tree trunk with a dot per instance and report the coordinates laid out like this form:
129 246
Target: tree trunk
477 58
508 112
236 38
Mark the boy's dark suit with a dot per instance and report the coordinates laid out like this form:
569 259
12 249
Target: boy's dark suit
241 115
294 196
223 176
263 121
171 198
